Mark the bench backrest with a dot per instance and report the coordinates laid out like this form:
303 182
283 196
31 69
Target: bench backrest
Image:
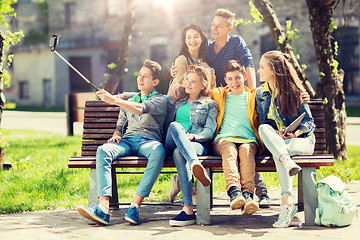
100 122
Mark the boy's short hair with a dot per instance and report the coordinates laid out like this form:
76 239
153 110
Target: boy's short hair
154 67
234 65
229 16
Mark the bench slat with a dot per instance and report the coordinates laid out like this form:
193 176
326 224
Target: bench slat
207 161
100 120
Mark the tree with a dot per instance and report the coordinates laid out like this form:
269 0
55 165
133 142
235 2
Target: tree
281 39
121 69
330 87
7 39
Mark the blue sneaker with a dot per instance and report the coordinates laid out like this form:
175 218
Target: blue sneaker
132 215
94 213
183 220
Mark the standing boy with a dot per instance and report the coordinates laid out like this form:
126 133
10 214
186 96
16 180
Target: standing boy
225 48
139 132
237 137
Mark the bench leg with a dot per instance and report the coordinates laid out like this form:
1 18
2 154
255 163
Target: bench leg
203 203
114 200
93 198
309 195
300 192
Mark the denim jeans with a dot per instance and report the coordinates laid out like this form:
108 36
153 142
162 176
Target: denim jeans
260 185
278 147
152 149
185 152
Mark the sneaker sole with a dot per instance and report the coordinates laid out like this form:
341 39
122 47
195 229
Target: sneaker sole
237 203
264 205
172 195
131 220
281 225
294 171
250 208
89 215
175 223
199 173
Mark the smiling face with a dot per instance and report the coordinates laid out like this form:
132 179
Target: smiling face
145 81
193 84
193 40
220 28
266 72
235 80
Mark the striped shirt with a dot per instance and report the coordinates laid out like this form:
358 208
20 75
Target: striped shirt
234 49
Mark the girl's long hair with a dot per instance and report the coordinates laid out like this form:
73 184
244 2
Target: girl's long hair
286 81
184 49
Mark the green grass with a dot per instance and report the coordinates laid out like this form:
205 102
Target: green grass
40 178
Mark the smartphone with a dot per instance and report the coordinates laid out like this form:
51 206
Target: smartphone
54 41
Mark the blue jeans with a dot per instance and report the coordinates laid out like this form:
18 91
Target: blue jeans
278 147
152 149
185 153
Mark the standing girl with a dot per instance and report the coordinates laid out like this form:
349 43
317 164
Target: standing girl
192 52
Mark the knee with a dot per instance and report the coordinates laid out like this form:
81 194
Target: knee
248 149
174 126
101 151
158 153
263 129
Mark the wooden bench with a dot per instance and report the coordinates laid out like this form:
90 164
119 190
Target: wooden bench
99 124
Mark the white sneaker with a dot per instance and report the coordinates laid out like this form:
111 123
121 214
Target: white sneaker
286 215
175 188
291 167
200 173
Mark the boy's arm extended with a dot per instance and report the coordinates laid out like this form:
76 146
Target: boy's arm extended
133 107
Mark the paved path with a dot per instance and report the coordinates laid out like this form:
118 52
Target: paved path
226 224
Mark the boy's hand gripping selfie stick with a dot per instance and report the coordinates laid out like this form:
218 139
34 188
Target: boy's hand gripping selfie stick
54 41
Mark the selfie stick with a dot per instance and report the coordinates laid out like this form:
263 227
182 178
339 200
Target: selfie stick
54 41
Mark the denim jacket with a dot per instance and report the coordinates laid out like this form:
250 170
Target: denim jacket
263 100
203 114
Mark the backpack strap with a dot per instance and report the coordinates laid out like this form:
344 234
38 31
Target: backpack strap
313 177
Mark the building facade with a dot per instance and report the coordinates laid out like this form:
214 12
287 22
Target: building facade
91 33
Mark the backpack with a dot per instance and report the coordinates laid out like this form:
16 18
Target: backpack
335 206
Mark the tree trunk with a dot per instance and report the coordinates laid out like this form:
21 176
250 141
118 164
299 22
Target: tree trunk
331 80
2 103
1 92
120 70
266 9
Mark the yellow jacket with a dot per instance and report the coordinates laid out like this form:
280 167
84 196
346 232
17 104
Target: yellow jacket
219 96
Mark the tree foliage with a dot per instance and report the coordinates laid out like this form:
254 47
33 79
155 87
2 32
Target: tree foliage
7 38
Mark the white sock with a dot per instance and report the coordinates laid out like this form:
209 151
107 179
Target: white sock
135 204
104 209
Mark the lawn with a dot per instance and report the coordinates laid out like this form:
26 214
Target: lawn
40 178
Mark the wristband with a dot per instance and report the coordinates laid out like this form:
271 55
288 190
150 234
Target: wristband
294 134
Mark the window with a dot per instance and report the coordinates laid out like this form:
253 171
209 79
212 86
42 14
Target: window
69 13
24 90
116 7
267 44
158 53
349 58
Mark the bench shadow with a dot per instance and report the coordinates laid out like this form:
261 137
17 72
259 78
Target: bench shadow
155 219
